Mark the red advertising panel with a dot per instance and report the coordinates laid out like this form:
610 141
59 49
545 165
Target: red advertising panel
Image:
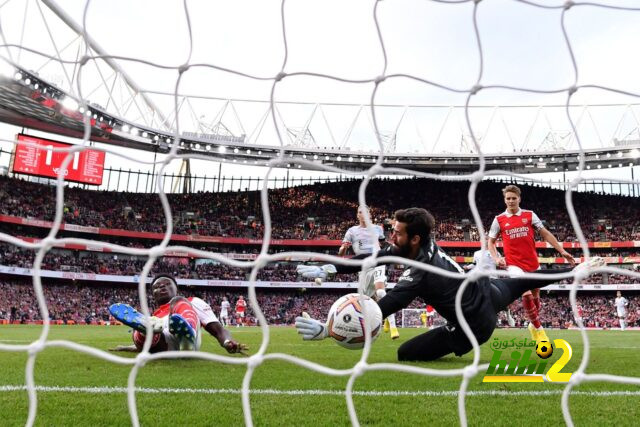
39 159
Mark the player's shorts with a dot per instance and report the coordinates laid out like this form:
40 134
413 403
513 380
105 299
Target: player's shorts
240 313
622 313
172 342
371 277
224 315
515 271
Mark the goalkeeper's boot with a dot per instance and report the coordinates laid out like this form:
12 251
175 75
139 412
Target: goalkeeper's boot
533 331
183 331
395 334
386 326
131 317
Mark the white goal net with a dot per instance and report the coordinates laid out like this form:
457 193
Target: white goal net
384 24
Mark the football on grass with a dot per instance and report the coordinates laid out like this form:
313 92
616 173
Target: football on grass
346 320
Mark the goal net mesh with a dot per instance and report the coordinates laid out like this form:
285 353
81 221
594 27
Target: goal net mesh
260 355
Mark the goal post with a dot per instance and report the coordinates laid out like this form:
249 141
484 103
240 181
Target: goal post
411 318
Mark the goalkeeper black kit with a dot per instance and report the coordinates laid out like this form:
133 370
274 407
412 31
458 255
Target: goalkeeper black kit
481 301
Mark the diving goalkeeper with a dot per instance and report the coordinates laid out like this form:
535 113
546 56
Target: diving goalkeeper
481 300
175 322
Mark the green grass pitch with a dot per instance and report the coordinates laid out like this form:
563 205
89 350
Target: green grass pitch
299 396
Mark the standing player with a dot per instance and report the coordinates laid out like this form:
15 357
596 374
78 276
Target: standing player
517 228
360 240
224 311
423 319
241 306
483 259
481 300
621 304
175 322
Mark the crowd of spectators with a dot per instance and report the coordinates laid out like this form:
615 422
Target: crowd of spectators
598 311
187 268
88 304
332 207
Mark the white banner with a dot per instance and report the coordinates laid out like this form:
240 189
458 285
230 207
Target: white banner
91 277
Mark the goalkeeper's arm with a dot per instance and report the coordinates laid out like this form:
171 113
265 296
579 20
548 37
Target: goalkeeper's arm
321 272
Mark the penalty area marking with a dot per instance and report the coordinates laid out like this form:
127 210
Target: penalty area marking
114 390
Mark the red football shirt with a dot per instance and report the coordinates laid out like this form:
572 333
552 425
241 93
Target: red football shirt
518 237
240 306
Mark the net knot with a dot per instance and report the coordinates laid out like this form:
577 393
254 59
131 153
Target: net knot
156 252
35 347
143 358
470 371
83 61
572 90
475 89
577 377
568 4
183 68
380 79
254 361
281 75
360 368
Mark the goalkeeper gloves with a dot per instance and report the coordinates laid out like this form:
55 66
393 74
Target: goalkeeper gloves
311 329
316 272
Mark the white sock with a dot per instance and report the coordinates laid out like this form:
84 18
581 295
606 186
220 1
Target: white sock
622 325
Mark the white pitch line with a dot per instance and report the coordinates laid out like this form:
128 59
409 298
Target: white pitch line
114 390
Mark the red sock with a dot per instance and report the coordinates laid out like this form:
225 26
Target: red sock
531 310
138 340
536 300
184 309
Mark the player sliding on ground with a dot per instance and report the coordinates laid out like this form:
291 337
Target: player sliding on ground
176 321
481 300
360 239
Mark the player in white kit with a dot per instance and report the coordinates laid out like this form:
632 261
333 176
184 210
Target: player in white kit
621 304
224 311
484 260
374 281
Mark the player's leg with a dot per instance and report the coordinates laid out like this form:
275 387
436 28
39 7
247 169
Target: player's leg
530 307
506 291
223 319
621 320
184 324
443 340
131 317
431 345
377 277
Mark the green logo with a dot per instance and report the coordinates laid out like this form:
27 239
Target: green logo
514 361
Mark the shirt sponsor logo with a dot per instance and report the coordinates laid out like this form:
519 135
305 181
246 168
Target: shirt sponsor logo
517 232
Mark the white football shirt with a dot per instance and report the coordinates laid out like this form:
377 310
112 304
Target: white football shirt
361 240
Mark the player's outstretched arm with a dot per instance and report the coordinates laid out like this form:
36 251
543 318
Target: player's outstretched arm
224 338
551 239
311 329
